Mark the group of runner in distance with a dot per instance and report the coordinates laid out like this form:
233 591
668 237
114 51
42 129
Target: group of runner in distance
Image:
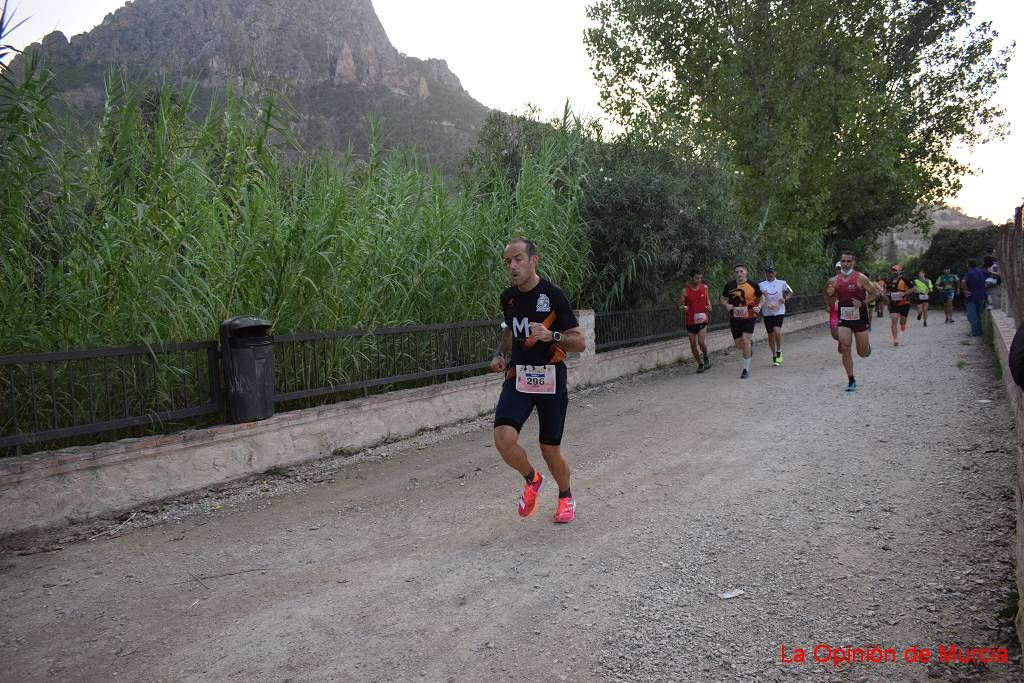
540 327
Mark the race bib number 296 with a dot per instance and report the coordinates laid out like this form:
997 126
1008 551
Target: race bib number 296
535 379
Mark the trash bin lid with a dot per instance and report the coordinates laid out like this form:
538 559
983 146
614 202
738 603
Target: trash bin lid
249 342
244 322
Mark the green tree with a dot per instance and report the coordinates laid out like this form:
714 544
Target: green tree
837 118
651 209
952 248
653 212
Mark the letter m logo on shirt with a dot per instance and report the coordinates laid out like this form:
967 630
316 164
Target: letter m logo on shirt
520 328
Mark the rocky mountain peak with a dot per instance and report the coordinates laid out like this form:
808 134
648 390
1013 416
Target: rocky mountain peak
333 57
300 41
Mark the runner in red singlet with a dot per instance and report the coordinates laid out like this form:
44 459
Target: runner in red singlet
853 291
696 304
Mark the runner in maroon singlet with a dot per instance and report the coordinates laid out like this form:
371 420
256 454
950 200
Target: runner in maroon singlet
853 292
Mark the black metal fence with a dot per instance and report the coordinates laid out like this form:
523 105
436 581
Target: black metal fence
330 363
66 398
618 329
806 303
51 400
50 396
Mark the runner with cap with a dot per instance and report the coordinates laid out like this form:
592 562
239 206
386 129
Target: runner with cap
776 292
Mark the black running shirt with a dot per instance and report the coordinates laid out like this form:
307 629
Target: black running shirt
546 303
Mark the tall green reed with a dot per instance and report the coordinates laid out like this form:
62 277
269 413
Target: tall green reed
165 222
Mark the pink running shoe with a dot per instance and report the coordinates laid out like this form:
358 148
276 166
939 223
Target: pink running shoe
528 501
566 511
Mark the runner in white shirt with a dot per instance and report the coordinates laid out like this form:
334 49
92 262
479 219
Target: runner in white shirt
776 292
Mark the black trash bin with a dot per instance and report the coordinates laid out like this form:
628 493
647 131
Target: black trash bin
247 354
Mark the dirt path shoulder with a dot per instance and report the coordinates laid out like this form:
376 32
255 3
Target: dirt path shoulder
878 518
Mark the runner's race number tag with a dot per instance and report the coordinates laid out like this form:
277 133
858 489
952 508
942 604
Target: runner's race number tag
739 311
535 379
849 313
922 297
699 318
896 296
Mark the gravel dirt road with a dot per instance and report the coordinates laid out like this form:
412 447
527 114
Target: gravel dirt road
882 518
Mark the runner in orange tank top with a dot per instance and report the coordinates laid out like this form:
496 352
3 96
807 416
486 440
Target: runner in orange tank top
853 292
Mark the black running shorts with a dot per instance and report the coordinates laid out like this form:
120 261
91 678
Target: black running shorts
741 326
773 321
863 324
514 407
694 329
857 326
903 310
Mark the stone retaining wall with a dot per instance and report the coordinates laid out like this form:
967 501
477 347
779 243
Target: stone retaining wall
1003 329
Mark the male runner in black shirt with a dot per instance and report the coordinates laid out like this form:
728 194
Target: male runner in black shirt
540 327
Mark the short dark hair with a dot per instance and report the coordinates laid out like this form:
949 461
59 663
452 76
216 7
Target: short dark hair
972 263
988 261
531 248
696 271
741 265
847 252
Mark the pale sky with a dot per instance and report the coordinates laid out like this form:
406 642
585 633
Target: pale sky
517 52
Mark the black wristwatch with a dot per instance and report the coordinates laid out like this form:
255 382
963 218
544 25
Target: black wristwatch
557 336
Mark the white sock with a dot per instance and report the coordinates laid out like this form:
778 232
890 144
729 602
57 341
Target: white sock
746 364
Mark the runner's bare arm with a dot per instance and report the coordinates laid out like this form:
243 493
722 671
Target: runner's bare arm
504 346
725 302
505 342
572 339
